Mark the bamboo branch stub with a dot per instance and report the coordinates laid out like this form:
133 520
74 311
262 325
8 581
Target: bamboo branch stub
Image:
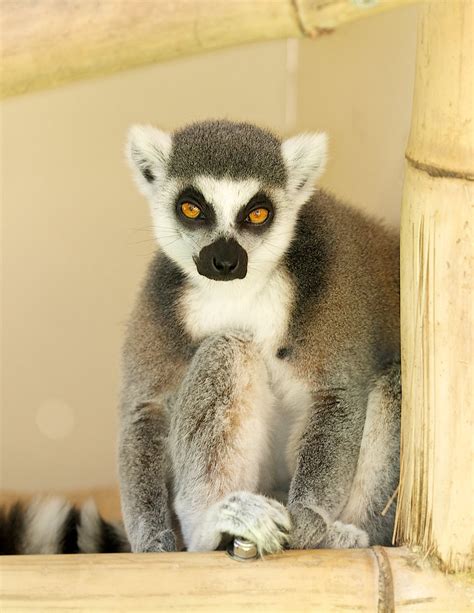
435 505
49 42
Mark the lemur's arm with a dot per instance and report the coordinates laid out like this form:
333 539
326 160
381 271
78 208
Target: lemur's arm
143 467
325 468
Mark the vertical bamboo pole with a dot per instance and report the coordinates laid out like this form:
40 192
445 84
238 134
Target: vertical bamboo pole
436 499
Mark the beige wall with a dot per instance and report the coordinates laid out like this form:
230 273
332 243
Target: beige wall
357 84
75 234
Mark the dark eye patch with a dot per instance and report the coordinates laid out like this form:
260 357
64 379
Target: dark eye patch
260 200
194 196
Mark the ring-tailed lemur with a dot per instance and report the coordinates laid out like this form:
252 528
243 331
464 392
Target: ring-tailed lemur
261 390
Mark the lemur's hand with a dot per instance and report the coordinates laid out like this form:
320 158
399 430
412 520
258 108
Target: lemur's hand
258 519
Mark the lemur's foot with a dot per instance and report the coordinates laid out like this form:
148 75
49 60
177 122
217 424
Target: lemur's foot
344 536
164 540
311 531
308 527
255 518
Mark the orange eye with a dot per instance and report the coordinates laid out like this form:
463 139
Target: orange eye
258 216
189 210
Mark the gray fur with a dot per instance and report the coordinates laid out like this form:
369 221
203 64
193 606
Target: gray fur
219 148
213 424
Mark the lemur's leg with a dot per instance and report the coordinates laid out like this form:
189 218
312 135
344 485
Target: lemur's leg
377 472
325 469
218 442
143 468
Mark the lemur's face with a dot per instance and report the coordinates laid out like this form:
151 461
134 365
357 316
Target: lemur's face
225 196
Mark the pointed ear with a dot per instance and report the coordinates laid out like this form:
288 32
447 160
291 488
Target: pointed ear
148 150
305 158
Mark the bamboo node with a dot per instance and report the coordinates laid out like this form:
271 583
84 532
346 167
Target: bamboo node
386 597
438 171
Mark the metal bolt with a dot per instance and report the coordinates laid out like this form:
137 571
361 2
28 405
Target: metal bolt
242 550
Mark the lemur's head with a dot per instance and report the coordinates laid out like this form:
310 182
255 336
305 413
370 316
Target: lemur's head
225 196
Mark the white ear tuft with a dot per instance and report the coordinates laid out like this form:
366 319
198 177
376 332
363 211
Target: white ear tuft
305 157
147 151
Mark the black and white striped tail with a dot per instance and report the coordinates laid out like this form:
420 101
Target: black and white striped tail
53 525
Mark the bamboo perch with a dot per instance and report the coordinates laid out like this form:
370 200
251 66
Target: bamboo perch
49 42
436 497
359 579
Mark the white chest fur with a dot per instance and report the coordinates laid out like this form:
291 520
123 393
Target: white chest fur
264 312
213 307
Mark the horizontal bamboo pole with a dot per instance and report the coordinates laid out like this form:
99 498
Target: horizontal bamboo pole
359 579
49 42
436 495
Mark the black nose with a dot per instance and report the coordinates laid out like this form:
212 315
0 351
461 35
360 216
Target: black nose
223 260
225 265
